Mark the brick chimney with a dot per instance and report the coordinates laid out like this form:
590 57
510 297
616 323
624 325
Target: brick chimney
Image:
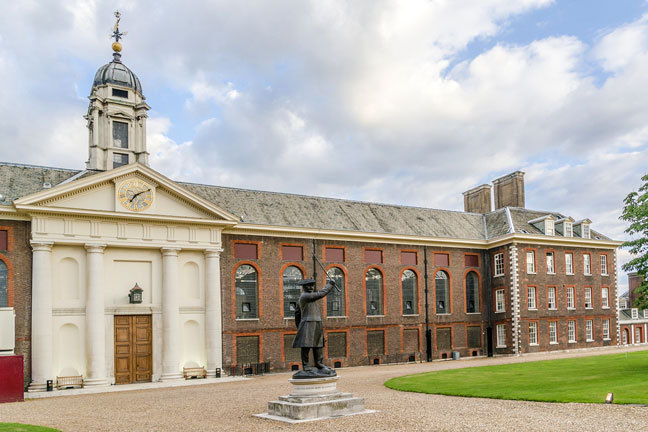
634 280
478 199
509 190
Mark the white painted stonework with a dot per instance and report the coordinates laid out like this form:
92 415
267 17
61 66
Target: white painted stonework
89 251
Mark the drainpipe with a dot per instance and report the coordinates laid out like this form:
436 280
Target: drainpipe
428 333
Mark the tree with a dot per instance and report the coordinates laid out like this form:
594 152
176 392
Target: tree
635 211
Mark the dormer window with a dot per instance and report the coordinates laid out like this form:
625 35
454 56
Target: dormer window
635 313
582 228
545 224
120 134
568 230
586 231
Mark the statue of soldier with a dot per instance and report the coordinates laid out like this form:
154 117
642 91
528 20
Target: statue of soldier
308 320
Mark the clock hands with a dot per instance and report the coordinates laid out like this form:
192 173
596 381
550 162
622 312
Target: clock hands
138 193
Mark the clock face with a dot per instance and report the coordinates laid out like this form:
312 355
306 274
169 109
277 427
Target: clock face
135 194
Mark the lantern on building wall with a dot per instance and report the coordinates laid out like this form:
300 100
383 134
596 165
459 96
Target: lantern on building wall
135 294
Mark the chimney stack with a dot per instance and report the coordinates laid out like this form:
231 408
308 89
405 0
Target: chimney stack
478 199
634 280
509 190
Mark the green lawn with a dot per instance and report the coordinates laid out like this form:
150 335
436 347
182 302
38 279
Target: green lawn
585 379
17 427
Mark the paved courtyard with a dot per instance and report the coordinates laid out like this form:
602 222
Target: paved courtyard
230 405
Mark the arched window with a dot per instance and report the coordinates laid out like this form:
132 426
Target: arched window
291 290
373 281
4 285
472 292
409 285
246 292
335 299
442 292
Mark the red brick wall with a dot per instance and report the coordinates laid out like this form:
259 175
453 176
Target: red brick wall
271 324
560 280
18 259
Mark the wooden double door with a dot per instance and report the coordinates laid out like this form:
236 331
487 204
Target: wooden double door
133 349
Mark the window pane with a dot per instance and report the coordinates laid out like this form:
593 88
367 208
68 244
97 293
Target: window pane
472 293
373 280
501 335
442 294
246 292
335 300
291 290
119 159
4 289
120 134
409 286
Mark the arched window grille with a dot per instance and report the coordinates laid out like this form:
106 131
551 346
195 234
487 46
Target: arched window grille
442 288
291 290
472 292
247 292
335 300
409 285
373 280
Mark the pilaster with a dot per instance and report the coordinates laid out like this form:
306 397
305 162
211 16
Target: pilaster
95 321
170 315
213 321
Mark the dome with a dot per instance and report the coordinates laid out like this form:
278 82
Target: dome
117 73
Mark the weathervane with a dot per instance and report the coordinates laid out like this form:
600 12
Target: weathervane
116 46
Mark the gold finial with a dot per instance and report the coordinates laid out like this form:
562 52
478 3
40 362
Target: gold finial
116 46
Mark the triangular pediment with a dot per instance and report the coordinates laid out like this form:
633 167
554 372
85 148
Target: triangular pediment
133 190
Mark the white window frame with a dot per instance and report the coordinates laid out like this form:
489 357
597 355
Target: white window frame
533 333
645 313
571 331
501 336
605 298
553 333
532 304
500 299
585 230
635 313
551 263
587 264
569 263
530 262
571 304
568 229
551 297
606 329
549 227
604 269
588 298
589 330
499 264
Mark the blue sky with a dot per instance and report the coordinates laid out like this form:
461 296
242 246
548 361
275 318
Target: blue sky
409 102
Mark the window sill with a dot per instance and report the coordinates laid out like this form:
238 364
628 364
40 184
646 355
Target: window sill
571 308
500 346
569 274
444 314
605 307
571 341
411 315
552 308
587 274
289 318
500 311
533 344
498 275
532 273
473 313
606 339
589 307
589 340
553 343
532 309
247 319
336 317
604 274
551 273
375 316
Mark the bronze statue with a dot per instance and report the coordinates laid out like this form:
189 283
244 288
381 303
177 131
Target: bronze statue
308 320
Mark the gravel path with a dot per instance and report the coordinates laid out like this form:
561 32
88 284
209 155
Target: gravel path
231 405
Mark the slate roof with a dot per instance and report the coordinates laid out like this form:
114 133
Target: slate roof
300 211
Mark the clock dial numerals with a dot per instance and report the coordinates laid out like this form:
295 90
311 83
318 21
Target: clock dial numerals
135 195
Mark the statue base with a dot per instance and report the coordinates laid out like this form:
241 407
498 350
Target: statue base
314 399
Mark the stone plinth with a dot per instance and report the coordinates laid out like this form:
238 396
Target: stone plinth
314 399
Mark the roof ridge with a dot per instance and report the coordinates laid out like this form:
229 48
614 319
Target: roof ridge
38 166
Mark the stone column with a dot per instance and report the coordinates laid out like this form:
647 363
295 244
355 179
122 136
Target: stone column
213 323
41 337
170 315
95 320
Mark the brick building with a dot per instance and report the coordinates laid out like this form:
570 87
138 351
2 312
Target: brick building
216 268
633 322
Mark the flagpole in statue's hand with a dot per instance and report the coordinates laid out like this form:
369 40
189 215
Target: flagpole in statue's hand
337 288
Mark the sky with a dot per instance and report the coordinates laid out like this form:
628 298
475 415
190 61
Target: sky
406 102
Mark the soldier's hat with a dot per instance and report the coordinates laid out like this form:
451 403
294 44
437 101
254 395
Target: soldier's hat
303 282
